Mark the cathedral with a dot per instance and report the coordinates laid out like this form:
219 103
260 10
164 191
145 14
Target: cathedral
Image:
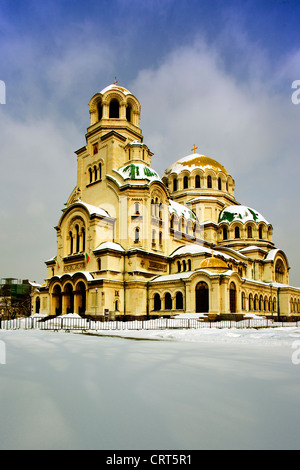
131 243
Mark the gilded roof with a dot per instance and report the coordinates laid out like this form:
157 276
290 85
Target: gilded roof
195 160
213 262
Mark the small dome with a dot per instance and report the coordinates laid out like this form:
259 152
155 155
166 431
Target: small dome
113 86
240 213
193 161
138 171
213 263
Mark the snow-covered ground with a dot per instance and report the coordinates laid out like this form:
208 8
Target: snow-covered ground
167 389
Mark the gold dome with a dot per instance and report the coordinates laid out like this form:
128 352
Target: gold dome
196 160
213 262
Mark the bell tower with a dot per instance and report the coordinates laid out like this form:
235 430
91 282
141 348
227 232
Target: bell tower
113 139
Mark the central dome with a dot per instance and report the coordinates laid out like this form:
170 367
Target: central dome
195 160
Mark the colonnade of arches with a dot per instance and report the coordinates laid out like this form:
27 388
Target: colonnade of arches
198 181
69 298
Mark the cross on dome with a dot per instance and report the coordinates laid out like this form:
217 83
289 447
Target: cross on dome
194 149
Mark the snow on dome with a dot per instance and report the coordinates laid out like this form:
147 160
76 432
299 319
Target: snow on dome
138 171
240 213
113 86
109 246
193 161
181 211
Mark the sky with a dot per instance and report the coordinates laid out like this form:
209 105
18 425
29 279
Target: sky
217 74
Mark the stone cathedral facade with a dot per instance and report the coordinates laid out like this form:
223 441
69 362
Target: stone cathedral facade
132 243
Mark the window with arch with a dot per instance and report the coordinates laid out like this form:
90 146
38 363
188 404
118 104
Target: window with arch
99 110
243 301
225 233
279 271
99 264
129 113
209 182
250 301
260 232
249 231
197 181
76 237
185 182
114 109
178 266
237 232
168 301
136 235
174 184
189 265
219 184
157 302
179 301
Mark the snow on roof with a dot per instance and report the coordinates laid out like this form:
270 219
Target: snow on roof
181 211
109 246
240 213
190 249
138 171
93 209
251 248
172 277
115 87
194 161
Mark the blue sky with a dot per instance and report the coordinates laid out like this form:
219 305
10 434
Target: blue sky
217 74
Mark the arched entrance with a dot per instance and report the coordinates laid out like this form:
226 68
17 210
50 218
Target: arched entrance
57 300
81 298
232 297
68 298
202 297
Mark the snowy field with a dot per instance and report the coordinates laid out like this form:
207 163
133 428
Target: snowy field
158 389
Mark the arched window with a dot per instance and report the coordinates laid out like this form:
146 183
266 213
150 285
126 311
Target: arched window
260 232
243 301
209 182
256 302
114 109
250 301
99 109
137 208
219 184
99 264
95 172
174 184
71 243
183 265
197 181
237 232
77 239
160 239
91 175
178 266
249 231
225 233
179 301
160 211
100 171
185 182
157 302
279 271
152 207
189 265
83 238
129 113
136 235
168 301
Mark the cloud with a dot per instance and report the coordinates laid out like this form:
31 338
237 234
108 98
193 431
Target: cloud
247 123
